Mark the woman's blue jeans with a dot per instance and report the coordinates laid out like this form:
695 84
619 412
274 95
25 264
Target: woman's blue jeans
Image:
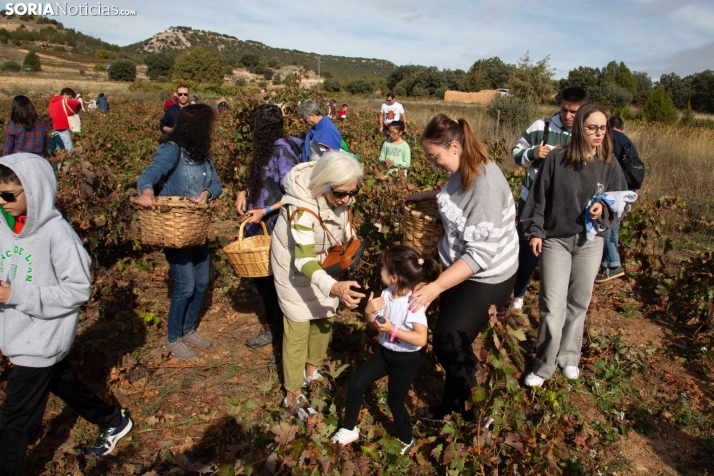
610 254
190 270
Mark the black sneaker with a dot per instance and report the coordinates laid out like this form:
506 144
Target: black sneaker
264 337
109 436
433 414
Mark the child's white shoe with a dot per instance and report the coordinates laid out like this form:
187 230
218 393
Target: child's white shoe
516 303
407 447
345 436
571 372
532 380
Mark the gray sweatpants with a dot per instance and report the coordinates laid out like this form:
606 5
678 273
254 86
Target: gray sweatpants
568 268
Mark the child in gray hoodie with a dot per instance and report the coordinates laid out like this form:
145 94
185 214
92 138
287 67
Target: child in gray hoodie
44 280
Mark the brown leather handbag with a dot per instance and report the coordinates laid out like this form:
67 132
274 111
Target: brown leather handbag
343 258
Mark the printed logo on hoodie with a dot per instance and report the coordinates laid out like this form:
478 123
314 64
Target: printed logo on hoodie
26 257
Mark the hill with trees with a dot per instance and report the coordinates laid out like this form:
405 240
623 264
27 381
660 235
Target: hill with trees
239 53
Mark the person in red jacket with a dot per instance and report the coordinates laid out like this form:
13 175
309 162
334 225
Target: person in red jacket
59 112
171 101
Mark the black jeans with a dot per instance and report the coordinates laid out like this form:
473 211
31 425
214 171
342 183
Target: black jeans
26 398
463 315
402 368
271 305
527 261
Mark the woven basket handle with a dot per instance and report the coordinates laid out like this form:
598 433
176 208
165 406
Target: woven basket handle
242 226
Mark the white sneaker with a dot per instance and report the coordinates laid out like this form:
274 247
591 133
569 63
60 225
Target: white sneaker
315 376
516 303
407 447
345 436
571 372
532 380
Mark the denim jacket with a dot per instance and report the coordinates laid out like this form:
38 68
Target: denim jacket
190 178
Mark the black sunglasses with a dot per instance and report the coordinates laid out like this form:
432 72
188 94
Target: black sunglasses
182 94
343 194
9 197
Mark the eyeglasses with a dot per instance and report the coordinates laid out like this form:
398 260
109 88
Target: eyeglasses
182 94
9 197
340 194
432 158
592 129
394 131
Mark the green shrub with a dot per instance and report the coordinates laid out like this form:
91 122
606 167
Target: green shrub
249 60
11 66
687 116
240 81
122 70
399 91
229 70
261 84
359 86
615 95
624 112
659 107
159 64
32 61
515 112
331 85
201 65
59 48
440 93
99 67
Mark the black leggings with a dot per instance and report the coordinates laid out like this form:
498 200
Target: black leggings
27 391
402 368
463 315
271 305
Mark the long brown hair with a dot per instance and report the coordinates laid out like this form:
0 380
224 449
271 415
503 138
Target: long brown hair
443 130
579 149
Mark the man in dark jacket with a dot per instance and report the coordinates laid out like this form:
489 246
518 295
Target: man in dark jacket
611 266
172 113
102 103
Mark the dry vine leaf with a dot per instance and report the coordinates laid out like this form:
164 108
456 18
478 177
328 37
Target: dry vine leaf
284 433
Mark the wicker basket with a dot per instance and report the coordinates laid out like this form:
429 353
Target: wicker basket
250 257
175 222
423 228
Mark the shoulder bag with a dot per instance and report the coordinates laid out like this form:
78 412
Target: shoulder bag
73 121
343 258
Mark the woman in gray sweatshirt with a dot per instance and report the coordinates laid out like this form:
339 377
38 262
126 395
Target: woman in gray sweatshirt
479 253
553 221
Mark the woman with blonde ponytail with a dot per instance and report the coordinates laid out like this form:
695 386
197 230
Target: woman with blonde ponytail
479 252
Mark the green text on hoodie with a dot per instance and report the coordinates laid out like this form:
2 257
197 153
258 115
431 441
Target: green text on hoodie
48 269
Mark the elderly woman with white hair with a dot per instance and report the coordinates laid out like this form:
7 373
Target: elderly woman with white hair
323 135
308 296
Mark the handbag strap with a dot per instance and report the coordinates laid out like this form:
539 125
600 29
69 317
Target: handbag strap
322 223
65 106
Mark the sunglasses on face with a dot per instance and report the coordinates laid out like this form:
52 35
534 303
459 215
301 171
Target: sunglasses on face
9 197
342 194
182 94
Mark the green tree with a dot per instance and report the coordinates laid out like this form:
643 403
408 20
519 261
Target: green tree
585 77
687 116
703 91
249 60
491 73
659 107
643 85
159 64
122 70
615 95
624 78
511 110
680 90
32 61
200 64
532 81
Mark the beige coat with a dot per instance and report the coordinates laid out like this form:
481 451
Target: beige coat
300 300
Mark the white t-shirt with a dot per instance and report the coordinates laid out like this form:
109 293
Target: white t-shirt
397 310
392 112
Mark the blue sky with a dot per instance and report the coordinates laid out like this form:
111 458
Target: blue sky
656 36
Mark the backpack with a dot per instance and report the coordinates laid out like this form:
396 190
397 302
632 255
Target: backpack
633 167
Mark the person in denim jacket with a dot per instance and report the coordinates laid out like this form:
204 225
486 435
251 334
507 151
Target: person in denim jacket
194 176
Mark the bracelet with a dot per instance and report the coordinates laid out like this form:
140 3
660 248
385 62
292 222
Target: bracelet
394 335
270 210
